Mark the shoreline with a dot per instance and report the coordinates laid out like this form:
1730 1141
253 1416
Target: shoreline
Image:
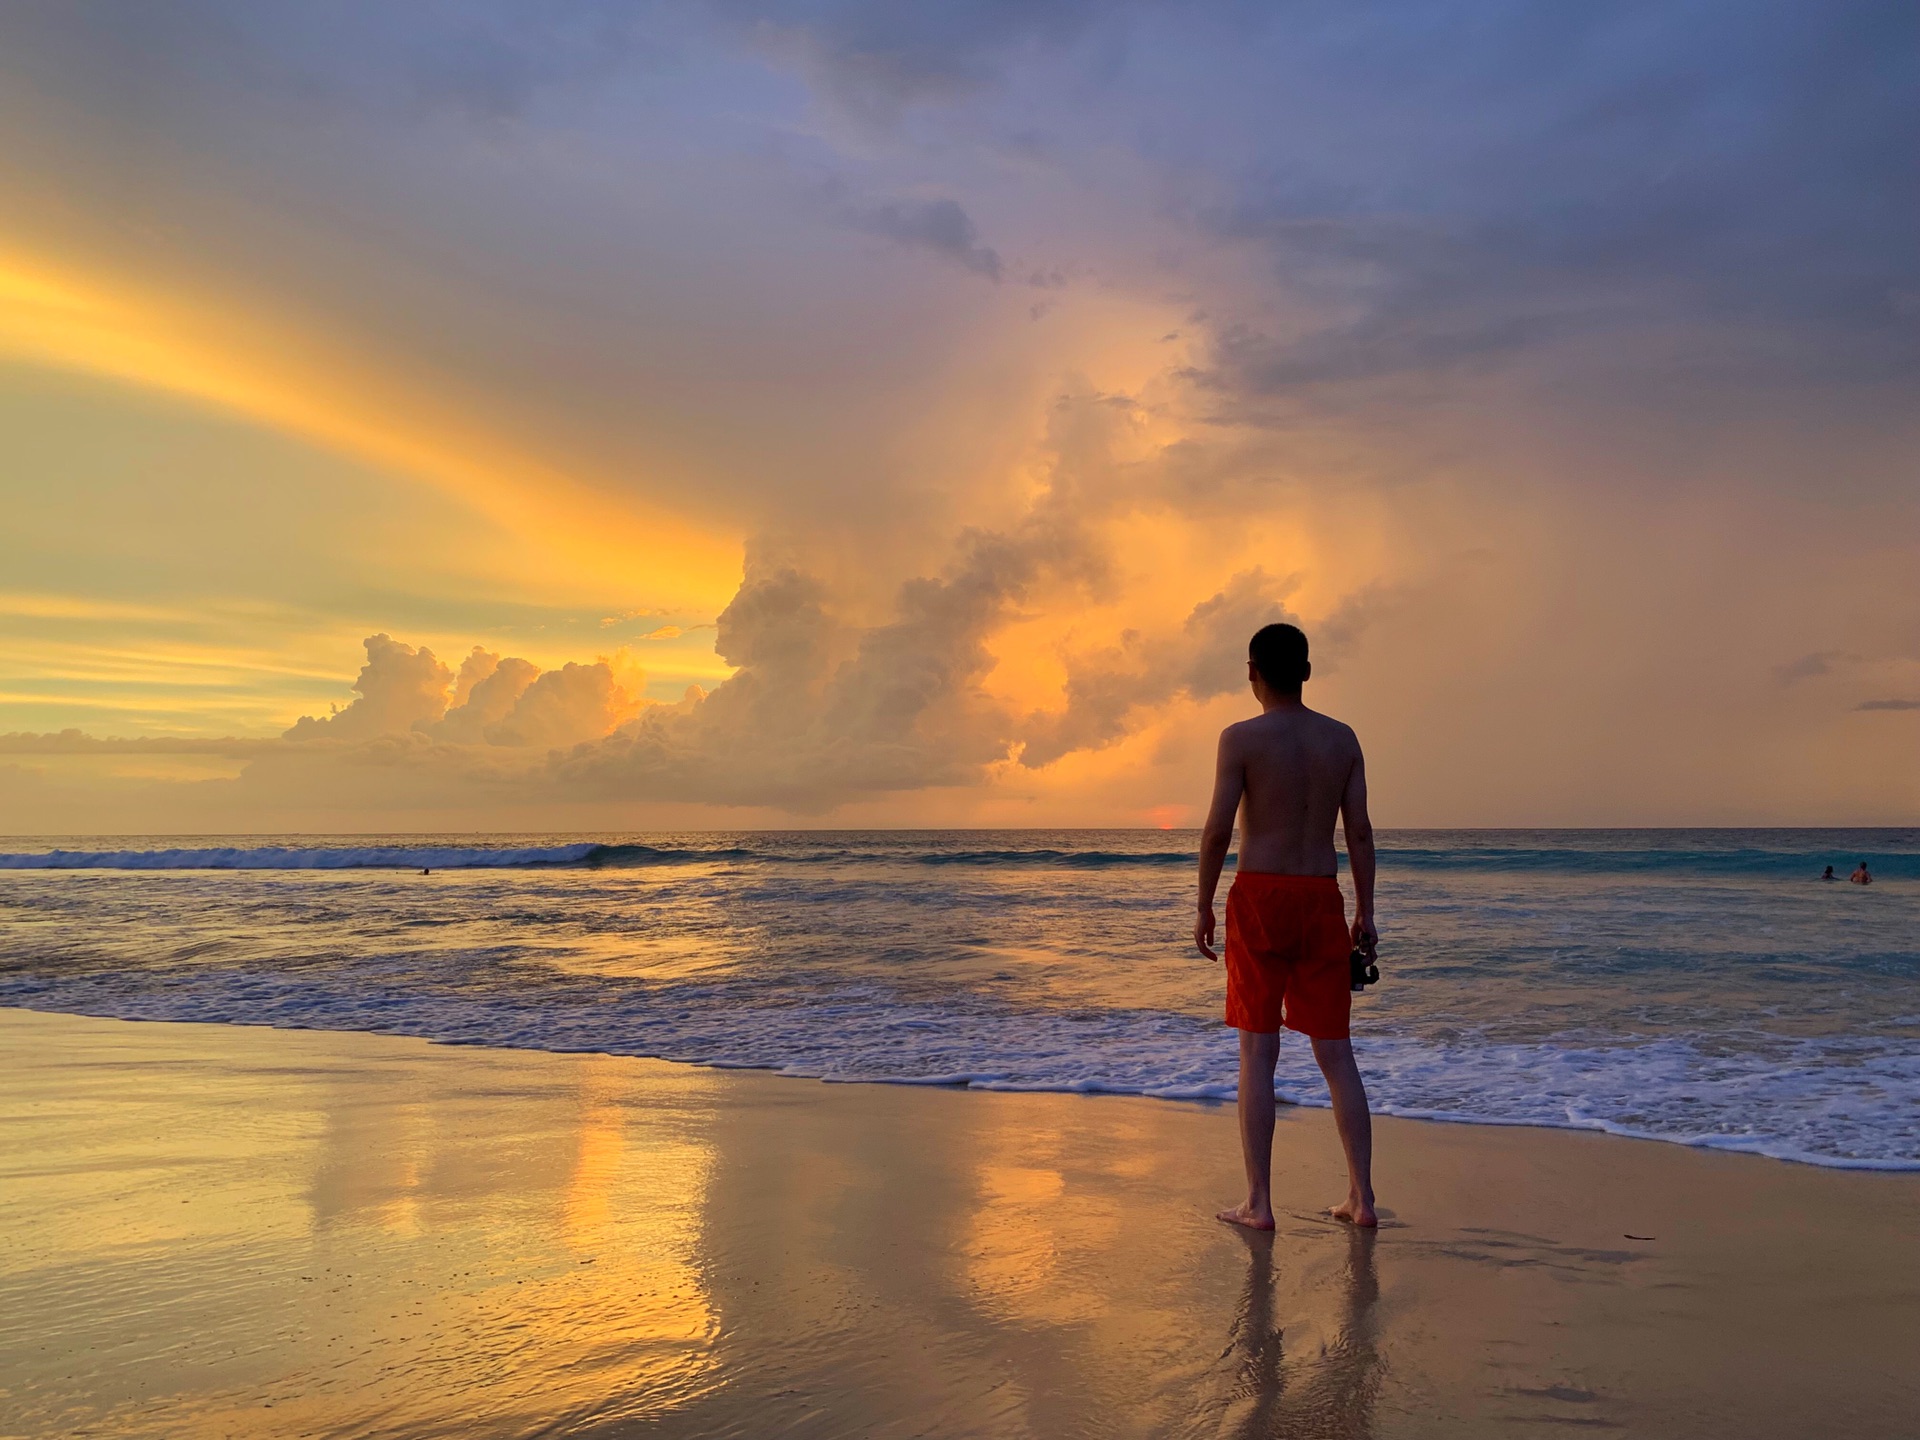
1705 1144
265 1232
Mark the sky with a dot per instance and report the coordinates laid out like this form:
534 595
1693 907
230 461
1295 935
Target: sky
497 415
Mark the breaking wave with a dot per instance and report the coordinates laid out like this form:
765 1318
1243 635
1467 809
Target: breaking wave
1893 854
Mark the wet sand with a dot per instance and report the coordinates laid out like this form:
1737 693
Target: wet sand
211 1230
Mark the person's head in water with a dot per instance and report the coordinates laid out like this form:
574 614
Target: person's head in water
1829 873
1277 658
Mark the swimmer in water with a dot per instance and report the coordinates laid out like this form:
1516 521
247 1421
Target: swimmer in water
1829 875
1862 876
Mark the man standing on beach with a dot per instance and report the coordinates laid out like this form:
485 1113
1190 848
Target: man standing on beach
1290 773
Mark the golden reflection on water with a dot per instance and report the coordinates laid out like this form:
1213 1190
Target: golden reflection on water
322 1238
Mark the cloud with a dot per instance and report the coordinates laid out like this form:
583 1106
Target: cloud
1808 667
940 227
1895 703
492 701
486 693
1339 633
1607 187
74 742
1108 690
400 688
822 710
479 664
564 707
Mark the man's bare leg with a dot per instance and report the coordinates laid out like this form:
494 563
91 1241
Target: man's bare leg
1258 1054
1355 1121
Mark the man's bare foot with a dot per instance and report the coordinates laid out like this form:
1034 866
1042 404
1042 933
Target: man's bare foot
1355 1211
1248 1216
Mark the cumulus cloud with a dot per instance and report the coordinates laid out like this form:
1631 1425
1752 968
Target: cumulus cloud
565 707
821 709
492 701
400 687
486 693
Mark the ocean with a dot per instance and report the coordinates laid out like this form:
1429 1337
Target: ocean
1700 987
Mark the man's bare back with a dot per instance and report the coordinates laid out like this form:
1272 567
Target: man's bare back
1288 772
1290 775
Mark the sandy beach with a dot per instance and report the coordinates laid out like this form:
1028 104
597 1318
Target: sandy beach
234 1231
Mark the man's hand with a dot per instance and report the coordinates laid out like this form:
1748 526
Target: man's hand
1365 936
1203 932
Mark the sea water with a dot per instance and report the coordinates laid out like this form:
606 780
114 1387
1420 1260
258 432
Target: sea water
1696 986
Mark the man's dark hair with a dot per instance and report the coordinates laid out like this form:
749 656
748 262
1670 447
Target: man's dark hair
1279 653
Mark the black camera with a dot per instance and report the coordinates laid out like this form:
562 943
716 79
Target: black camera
1362 966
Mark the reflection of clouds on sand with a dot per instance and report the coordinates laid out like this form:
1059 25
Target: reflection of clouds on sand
1029 1241
1304 1389
352 1248
1040 1239
550 1272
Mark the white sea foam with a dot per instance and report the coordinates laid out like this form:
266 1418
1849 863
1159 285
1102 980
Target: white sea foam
1841 1103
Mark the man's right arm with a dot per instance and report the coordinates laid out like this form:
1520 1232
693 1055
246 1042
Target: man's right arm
1229 781
1358 829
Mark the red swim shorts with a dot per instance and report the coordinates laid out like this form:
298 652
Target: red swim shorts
1287 949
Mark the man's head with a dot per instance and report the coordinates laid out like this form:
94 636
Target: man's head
1277 657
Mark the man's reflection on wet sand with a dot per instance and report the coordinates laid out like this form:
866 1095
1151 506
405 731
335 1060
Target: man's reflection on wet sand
1325 1391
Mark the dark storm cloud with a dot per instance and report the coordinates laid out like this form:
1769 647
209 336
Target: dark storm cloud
1442 189
1496 179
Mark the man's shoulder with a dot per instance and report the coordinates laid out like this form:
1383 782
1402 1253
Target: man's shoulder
1334 729
1235 735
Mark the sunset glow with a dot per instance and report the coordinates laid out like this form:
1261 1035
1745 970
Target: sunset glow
944 433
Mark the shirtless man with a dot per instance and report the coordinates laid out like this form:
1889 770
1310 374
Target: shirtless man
1294 771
